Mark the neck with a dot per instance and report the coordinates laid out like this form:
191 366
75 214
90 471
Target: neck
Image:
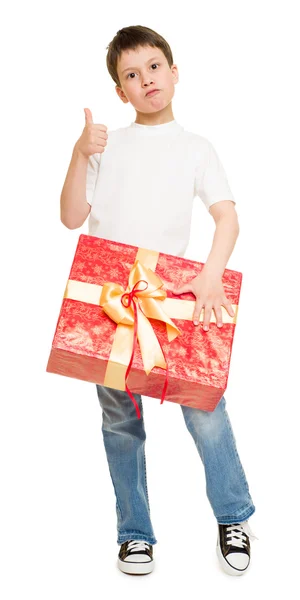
158 118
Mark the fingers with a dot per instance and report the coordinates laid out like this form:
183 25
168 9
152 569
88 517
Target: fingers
218 311
97 133
207 315
228 307
208 306
99 139
183 289
197 311
218 314
88 116
100 129
100 133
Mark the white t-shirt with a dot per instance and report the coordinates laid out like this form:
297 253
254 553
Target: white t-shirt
141 188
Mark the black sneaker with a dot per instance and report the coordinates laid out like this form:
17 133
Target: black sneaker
233 547
136 557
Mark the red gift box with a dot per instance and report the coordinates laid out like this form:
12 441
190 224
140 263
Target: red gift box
100 322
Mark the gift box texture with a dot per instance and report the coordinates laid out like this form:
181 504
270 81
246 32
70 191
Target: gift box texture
90 345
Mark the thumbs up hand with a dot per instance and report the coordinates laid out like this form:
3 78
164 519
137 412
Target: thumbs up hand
93 138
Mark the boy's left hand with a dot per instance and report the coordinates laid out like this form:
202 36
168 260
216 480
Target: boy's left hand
209 294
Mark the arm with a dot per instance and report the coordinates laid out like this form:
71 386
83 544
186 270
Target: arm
74 207
77 193
226 233
208 286
212 186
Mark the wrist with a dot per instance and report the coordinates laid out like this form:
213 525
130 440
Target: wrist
212 271
77 154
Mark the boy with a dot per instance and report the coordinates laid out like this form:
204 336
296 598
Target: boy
140 191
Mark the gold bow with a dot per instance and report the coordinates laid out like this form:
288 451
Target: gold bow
117 303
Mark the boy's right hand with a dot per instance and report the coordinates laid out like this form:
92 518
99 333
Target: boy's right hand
93 138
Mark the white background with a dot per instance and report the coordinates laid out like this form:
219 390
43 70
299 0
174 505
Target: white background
238 67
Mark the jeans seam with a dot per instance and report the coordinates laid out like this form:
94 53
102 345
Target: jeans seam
117 499
135 533
144 459
235 451
139 536
145 473
251 507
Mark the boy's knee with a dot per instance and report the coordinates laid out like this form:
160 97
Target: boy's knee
207 423
117 406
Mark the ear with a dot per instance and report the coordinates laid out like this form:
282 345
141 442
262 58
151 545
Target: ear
121 94
175 73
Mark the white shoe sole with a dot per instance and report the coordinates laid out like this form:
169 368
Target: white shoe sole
226 567
135 568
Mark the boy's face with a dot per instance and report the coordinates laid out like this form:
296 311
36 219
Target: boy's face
142 70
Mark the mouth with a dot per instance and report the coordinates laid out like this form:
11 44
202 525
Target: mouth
152 93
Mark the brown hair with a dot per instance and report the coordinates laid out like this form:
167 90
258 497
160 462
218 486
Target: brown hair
129 38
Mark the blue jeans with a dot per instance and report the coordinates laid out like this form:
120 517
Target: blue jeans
124 439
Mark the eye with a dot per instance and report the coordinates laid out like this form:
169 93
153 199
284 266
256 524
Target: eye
129 74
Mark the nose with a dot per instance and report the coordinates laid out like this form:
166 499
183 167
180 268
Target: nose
146 79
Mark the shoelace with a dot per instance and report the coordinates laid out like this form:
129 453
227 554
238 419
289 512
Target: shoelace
236 534
138 545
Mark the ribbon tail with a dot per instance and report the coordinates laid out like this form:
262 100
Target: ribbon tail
133 400
130 363
152 351
167 377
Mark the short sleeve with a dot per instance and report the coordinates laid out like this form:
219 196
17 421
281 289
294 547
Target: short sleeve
92 175
211 183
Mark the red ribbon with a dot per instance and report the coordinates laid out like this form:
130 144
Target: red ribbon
131 297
